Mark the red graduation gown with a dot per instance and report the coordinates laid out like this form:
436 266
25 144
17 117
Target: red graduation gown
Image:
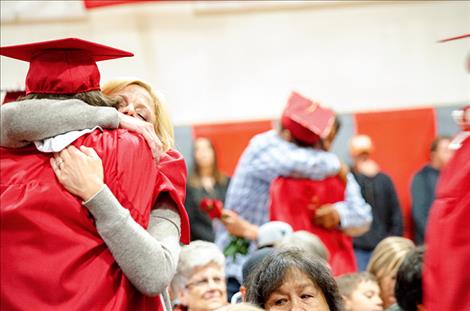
52 257
290 201
446 276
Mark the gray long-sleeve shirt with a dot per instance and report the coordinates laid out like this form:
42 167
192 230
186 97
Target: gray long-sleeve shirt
26 121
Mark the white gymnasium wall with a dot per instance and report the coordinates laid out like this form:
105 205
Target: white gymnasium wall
237 61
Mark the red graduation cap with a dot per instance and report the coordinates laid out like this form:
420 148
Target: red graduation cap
64 66
307 121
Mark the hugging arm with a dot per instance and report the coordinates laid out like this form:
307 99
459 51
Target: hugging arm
26 121
30 120
355 214
290 161
147 257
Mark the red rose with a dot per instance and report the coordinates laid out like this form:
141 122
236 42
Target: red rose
212 207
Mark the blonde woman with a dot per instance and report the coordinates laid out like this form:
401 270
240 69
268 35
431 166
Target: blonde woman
384 263
147 254
143 102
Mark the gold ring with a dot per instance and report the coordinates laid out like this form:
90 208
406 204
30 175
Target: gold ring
59 161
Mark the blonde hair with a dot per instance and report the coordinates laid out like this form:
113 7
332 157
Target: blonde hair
163 126
388 256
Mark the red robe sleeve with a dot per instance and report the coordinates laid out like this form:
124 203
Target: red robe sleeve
131 174
446 275
172 180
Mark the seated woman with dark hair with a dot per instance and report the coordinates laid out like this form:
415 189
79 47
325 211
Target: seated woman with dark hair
204 181
287 280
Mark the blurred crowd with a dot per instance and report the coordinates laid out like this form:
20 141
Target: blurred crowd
379 252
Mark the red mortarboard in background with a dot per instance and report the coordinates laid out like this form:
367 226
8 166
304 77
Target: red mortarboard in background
461 116
11 96
454 38
307 121
64 66
458 38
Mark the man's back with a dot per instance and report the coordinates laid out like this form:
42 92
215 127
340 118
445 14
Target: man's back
267 157
248 190
60 261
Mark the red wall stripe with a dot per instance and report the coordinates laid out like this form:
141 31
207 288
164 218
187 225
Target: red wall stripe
402 139
230 139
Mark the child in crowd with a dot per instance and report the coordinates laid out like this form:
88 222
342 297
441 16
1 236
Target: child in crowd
360 292
384 263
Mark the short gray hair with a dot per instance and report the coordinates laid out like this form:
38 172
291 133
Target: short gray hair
307 242
195 255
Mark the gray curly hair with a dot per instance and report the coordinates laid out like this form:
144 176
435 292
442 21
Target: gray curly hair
196 254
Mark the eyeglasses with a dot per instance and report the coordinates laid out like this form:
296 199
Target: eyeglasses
217 280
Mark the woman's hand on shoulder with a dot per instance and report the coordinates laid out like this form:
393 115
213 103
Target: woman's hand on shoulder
80 171
144 128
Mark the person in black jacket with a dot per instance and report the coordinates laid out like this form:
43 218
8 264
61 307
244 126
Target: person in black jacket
378 190
424 184
205 181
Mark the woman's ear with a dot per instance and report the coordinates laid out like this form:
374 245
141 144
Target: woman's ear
183 297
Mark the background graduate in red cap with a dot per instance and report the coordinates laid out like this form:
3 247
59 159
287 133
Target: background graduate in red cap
319 206
289 151
52 247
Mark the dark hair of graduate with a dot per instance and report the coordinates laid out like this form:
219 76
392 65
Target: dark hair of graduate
93 98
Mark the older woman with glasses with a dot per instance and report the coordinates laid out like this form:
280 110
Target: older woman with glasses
199 283
287 280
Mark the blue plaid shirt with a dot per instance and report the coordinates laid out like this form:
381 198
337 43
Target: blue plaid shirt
267 157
